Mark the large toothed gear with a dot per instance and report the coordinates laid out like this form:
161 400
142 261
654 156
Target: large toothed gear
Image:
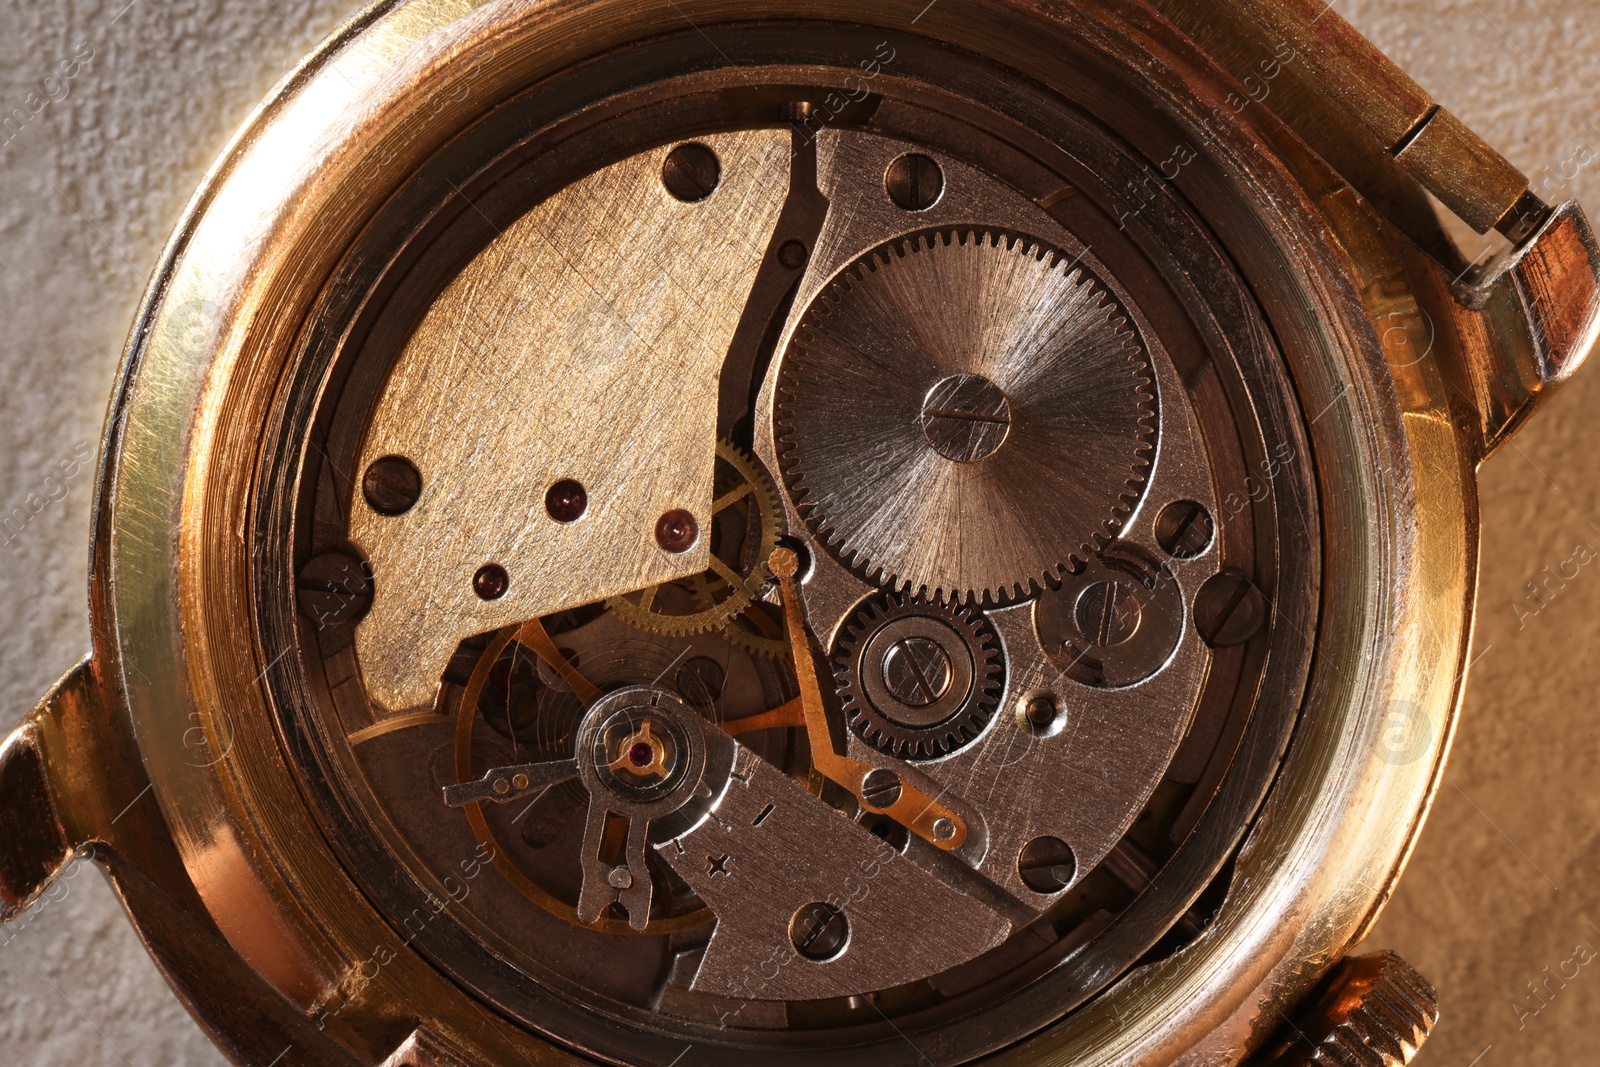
964 415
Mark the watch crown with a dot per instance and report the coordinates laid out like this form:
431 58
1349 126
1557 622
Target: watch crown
1373 1011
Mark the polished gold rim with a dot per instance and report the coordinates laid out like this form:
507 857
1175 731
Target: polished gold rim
173 616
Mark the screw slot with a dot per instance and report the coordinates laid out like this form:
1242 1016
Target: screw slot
1229 610
1184 529
914 182
392 485
334 589
692 173
491 582
1108 613
917 671
880 789
819 932
1047 865
966 418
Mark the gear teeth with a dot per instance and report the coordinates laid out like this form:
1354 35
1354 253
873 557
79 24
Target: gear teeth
798 370
966 725
714 615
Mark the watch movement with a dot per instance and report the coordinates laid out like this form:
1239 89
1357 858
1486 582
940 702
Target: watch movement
697 533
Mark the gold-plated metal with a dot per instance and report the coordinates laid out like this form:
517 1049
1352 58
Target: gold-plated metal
218 853
725 589
911 807
1369 91
35 845
1372 1011
1468 177
1352 70
508 365
424 1048
1518 334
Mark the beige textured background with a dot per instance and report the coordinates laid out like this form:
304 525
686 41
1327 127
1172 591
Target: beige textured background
1502 894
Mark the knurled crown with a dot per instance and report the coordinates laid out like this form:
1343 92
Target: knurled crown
1375 1011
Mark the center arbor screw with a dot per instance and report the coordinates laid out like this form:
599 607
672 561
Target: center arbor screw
965 418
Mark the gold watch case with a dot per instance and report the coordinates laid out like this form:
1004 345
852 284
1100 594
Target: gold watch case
346 231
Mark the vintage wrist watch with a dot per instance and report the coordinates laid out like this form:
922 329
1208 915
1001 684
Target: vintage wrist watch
701 532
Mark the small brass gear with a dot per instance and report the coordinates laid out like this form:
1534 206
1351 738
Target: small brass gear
745 525
758 629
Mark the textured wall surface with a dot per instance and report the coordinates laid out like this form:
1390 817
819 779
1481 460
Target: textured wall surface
1502 898
90 187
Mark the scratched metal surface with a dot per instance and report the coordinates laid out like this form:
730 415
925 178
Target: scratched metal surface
514 361
95 174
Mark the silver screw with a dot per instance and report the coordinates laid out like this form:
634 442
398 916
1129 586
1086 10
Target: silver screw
880 789
1108 613
620 878
917 671
966 418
